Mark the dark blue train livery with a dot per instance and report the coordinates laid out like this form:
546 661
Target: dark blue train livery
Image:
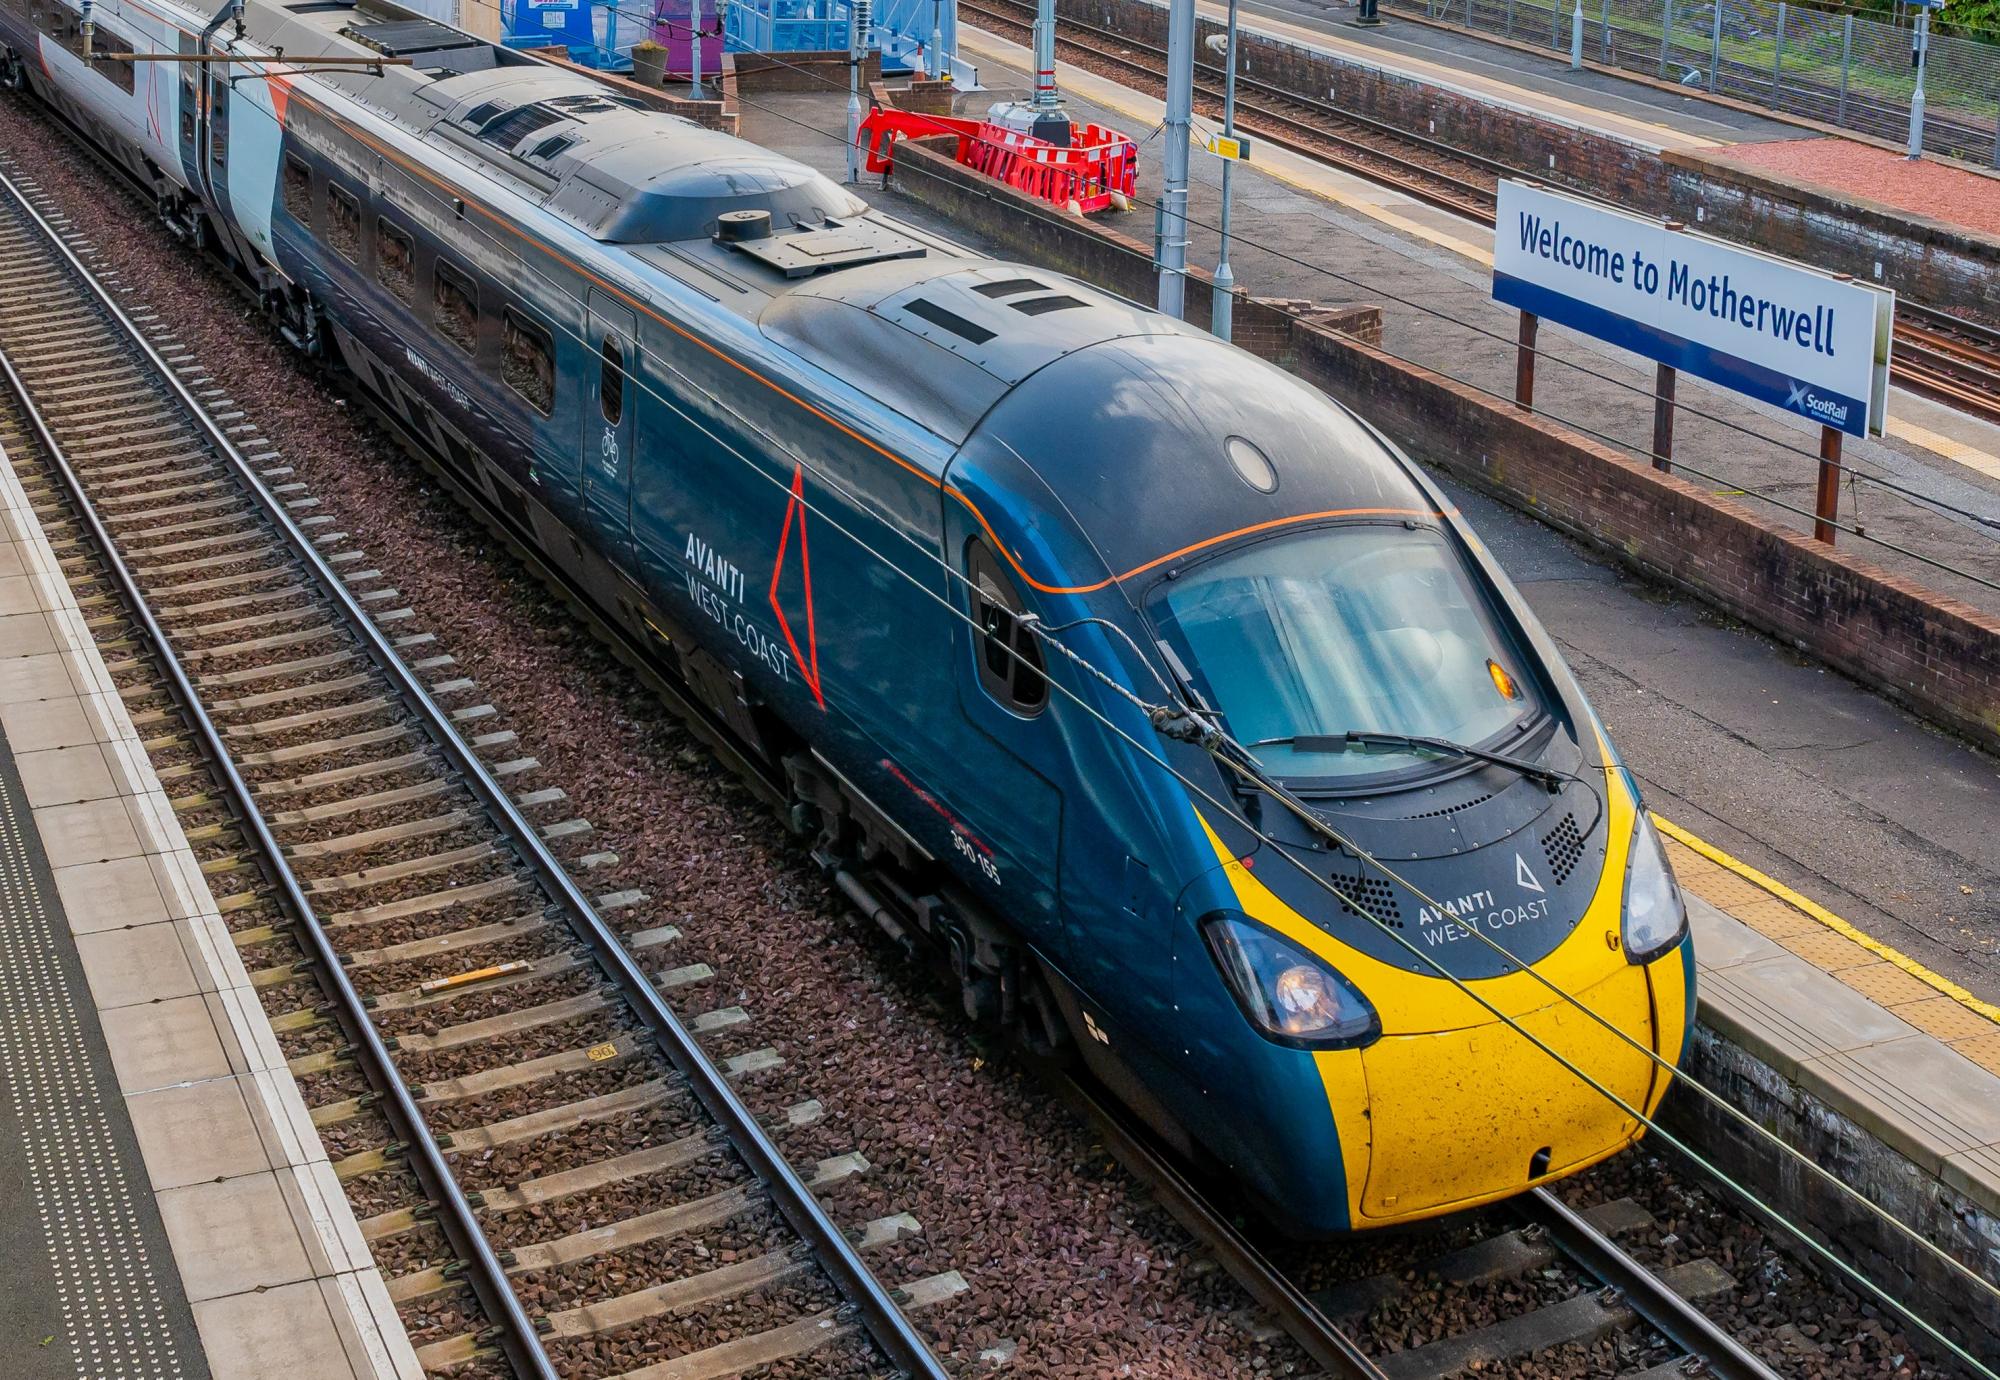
1165 695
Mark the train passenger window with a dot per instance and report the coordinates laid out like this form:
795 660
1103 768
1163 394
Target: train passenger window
119 74
298 189
218 145
396 261
528 362
343 222
189 103
611 381
1009 655
455 307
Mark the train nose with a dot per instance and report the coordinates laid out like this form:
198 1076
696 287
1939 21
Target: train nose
1460 1117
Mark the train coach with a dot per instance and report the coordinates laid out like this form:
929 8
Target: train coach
1161 698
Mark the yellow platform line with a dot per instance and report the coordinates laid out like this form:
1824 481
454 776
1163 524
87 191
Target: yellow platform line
1814 910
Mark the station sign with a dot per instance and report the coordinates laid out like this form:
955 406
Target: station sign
1806 342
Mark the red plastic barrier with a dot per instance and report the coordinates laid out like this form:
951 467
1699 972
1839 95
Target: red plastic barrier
1099 169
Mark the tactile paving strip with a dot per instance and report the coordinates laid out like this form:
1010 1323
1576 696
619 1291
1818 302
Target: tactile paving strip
123 1317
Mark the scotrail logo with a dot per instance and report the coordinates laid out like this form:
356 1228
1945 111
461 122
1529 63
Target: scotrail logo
1801 398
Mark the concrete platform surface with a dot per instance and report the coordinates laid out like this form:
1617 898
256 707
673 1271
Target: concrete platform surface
172 1209
1643 113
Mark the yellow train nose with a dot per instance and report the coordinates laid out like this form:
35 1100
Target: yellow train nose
1461 1117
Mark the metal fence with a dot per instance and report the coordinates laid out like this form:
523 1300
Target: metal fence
1841 69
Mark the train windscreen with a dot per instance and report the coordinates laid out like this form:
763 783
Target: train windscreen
1367 627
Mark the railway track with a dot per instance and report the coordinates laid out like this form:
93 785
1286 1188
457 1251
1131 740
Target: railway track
1613 1292
558 1173
1940 356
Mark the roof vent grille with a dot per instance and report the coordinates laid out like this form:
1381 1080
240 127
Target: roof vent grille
518 123
1038 306
1008 287
481 113
948 320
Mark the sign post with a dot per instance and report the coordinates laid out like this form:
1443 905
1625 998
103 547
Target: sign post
1524 363
1663 419
1809 343
1826 504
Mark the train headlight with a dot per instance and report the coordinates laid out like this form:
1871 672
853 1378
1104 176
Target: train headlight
1655 914
1289 995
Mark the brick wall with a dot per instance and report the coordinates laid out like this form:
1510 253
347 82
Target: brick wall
1925 260
1936 654
814 72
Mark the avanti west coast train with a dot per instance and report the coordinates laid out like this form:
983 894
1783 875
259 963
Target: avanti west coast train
884 504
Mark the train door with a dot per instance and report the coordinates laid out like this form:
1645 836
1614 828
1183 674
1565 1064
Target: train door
609 425
215 83
188 116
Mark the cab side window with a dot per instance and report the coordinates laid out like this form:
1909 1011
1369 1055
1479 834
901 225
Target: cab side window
1009 655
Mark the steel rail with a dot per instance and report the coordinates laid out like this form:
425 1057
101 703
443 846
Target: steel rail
1683 1324
1303 1320
880 1317
488 1276
1434 187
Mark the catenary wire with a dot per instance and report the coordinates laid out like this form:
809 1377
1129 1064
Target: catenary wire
1360 908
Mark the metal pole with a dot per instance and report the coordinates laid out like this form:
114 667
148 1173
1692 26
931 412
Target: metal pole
940 64
1524 363
1666 36
857 52
1045 54
1172 257
1846 57
1778 57
1714 45
1604 29
1221 304
694 49
1663 420
1576 37
1919 51
1827 509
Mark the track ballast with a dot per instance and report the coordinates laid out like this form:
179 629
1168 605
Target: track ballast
502 1086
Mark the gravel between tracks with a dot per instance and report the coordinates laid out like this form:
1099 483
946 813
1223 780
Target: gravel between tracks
1063 1257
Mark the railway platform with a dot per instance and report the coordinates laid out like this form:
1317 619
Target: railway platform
171 1212
1650 114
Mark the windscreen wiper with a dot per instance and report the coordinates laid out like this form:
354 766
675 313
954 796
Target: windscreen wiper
1317 742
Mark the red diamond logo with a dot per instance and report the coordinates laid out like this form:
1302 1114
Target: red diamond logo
808 660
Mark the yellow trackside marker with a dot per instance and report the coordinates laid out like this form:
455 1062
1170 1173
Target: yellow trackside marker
1812 909
457 980
597 1054
1236 149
